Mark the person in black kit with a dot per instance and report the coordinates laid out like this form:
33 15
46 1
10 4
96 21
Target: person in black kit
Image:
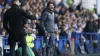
13 24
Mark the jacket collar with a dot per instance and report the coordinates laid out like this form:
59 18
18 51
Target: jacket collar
15 6
48 10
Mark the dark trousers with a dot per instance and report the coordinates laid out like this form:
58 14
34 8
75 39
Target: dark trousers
22 43
50 48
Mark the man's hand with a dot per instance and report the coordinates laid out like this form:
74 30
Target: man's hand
46 33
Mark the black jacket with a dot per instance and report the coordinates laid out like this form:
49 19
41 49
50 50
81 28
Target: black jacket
13 21
91 27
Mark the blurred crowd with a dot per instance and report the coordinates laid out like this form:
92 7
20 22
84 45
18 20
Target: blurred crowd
69 17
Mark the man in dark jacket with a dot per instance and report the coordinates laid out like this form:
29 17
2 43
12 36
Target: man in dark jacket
91 27
13 23
47 23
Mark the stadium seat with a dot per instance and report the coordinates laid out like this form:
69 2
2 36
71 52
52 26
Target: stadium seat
77 42
38 42
61 43
6 48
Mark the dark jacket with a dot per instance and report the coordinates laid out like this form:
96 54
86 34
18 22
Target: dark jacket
47 21
98 23
13 21
91 27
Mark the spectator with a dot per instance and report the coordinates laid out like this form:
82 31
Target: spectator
95 16
62 10
34 31
2 14
61 3
8 2
2 3
2 31
22 2
90 26
84 23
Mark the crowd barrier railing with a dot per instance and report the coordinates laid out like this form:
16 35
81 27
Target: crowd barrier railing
63 41
90 38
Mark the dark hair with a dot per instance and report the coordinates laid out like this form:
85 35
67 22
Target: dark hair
50 3
13 1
